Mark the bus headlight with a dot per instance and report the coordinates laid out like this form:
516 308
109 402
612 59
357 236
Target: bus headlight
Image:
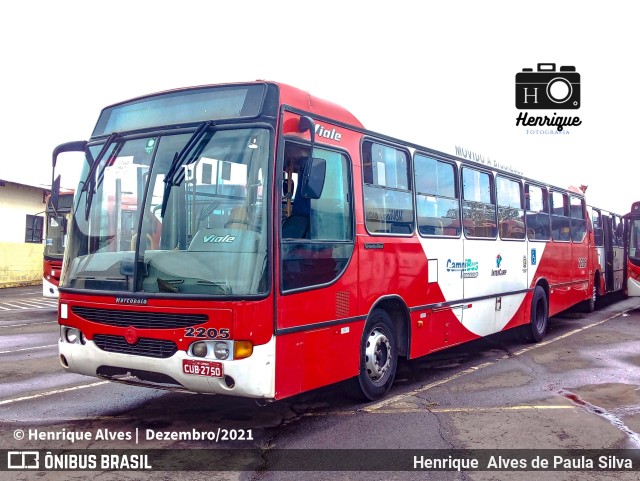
72 335
221 350
199 349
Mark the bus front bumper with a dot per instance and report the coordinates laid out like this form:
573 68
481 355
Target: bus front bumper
250 377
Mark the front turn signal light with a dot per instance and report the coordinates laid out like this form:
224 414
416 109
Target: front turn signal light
242 349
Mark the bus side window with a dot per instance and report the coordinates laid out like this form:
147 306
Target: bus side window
619 233
296 209
578 221
478 204
537 217
560 220
437 203
388 201
598 231
317 232
510 212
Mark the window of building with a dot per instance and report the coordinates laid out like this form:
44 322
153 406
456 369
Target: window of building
33 230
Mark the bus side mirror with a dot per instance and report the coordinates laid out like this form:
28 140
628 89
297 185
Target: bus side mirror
313 180
307 123
76 146
55 194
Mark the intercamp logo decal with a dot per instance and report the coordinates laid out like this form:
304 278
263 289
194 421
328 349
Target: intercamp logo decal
497 271
548 89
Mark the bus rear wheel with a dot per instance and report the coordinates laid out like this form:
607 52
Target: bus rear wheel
591 303
378 358
537 327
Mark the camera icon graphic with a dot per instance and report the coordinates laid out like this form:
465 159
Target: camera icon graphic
547 88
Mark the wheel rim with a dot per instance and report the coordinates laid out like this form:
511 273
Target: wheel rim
595 293
377 355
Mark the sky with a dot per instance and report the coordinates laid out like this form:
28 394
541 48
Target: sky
439 74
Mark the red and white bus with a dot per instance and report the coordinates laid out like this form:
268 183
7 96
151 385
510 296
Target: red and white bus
608 268
632 250
278 246
55 239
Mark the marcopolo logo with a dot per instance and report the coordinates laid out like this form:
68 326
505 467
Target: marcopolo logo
551 89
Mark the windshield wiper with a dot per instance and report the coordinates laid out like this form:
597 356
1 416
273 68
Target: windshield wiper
171 285
175 175
90 184
173 178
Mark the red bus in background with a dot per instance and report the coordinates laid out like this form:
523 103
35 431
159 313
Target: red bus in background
608 268
632 250
55 240
280 246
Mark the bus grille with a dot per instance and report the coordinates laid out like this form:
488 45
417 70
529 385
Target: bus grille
144 347
140 320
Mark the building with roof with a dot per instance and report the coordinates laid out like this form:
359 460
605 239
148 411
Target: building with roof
22 210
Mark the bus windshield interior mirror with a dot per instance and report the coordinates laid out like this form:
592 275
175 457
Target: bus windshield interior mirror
313 180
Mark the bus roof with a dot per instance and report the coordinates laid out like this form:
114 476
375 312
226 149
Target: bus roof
302 100
305 101
289 95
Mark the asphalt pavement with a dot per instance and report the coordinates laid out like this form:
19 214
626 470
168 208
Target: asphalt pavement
578 389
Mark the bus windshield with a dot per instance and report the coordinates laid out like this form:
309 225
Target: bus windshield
167 214
634 241
57 226
54 246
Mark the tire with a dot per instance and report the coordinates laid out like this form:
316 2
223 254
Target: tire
537 327
378 359
591 304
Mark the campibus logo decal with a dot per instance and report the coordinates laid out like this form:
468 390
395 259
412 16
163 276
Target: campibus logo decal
468 269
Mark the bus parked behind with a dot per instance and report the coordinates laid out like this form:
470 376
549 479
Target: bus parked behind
55 240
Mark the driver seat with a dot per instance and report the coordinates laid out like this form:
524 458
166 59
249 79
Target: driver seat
238 218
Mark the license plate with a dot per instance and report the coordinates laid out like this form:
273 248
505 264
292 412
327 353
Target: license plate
202 368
